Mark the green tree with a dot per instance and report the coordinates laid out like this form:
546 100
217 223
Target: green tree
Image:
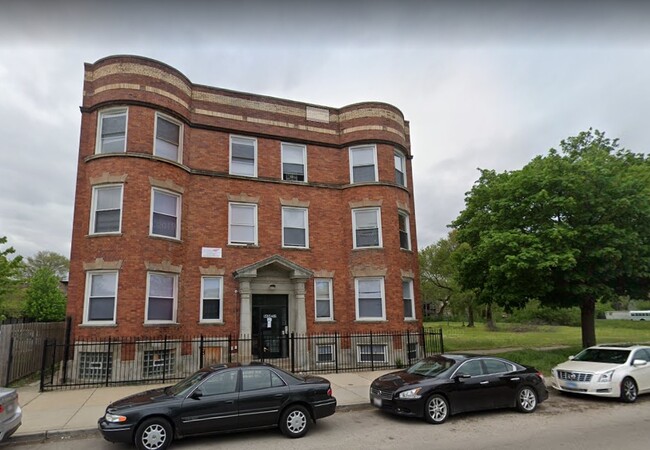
45 301
569 228
58 263
10 269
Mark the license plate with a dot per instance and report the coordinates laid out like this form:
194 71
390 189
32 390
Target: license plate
376 402
571 384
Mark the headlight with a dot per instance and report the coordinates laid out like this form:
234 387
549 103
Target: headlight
114 418
606 377
410 394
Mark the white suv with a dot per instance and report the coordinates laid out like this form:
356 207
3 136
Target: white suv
609 370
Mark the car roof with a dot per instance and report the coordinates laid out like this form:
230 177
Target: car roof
215 367
621 346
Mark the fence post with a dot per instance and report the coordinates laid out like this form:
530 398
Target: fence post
424 342
43 362
10 362
408 346
372 354
166 355
66 348
442 344
336 352
293 352
201 350
230 348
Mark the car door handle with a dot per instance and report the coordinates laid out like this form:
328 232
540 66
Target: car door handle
484 382
229 402
515 379
278 395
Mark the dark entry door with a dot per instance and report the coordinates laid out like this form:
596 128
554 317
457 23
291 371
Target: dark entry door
270 326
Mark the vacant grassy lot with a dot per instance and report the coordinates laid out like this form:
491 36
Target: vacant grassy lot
522 343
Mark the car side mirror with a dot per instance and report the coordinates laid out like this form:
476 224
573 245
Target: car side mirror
639 362
197 394
571 357
462 376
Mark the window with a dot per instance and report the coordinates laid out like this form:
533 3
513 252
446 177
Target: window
294 227
294 166
106 209
371 353
363 164
211 304
243 156
323 294
400 169
101 297
471 368
494 366
161 297
325 353
404 231
158 363
168 138
367 227
243 224
95 365
253 379
221 383
369 293
407 296
111 131
165 213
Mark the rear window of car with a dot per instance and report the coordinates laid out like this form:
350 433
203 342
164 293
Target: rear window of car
603 355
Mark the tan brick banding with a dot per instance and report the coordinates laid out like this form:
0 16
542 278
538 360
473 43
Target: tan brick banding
372 128
362 113
294 202
166 184
407 274
221 115
403 207
168 95
365 203
243 198
110 87
100 264
363 271
139 69
165 266
227 100
212 270
107 178
324 274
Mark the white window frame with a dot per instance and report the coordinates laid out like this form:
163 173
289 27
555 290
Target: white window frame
354 227
179 157
305 212
402 158
230 224
203 298
411 298
374 156
179 199
384 353
333 353
244 138
304 160
330 299
174 276
93 208
89 279
383 299
407 221
100 126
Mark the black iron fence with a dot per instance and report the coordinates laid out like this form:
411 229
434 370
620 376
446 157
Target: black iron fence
112 362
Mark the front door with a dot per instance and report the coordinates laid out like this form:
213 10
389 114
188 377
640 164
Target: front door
270 326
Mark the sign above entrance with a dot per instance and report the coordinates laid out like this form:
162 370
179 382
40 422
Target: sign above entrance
210 252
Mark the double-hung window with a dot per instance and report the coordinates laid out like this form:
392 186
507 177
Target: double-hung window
211 299
363 164
323 298
400 169
111 131
101 297
165 214
106 209
404 231
294 165
162 291
243 156
370 299
168 138
295 230
366 223
242 228
407 296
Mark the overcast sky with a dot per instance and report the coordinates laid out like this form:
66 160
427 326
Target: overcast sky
486 84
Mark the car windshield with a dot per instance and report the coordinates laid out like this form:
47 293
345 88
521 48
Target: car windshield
431 367
603 355
187 383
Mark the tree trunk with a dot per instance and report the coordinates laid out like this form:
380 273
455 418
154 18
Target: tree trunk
470 316
489 320
588 322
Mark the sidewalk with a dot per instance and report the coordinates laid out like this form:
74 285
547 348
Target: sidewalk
68 413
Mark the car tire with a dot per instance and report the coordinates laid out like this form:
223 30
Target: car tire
154 434
295 421
629 390
436 409
526 400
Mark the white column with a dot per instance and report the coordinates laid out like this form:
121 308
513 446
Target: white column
245 309
301 315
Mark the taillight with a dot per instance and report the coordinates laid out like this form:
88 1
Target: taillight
2 408
329 392
540 375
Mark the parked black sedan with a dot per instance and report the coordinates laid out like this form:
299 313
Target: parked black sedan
219 398
440 386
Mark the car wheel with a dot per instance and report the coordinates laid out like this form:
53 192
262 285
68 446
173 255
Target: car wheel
629 391
294 422
153 434
526 399
436 409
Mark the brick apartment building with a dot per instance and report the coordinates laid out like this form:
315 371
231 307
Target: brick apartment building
205 211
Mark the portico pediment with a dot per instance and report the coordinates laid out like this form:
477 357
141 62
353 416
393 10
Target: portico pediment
275 263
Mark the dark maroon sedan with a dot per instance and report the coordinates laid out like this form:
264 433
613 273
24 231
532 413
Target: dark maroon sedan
440 386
